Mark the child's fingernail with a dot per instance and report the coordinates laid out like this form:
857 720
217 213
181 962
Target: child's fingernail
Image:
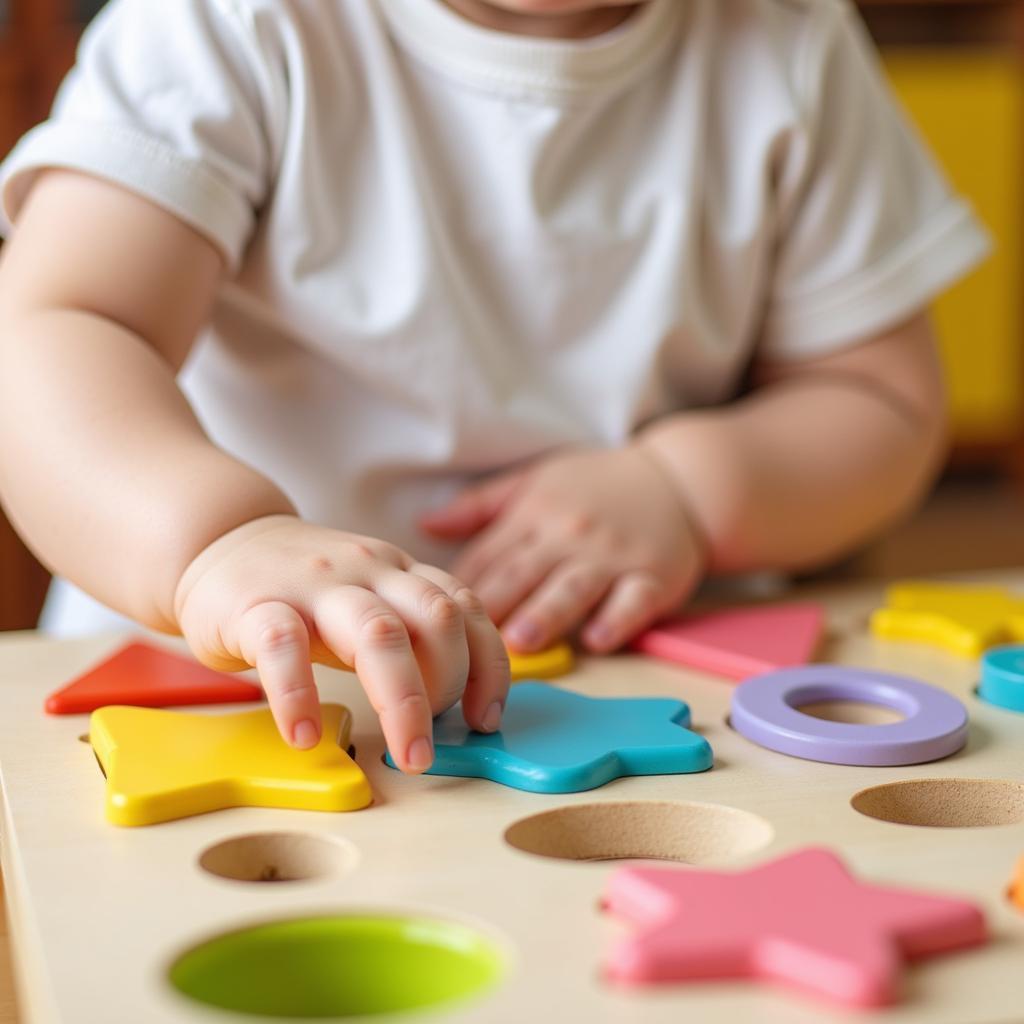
421 754
599 636
522 634
305 735
492 717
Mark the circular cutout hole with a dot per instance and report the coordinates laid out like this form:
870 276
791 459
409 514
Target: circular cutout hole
944 803
691 833
852 712
278 857
345 966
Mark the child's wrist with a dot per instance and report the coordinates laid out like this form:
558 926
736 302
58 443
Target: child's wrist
655 459
224 541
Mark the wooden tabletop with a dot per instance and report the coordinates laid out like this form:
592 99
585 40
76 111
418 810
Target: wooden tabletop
8 1011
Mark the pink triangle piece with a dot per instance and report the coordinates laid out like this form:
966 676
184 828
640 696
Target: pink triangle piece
145 676
738 642
802 920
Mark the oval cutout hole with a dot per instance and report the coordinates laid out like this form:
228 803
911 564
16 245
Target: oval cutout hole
944 803
689 833
279 857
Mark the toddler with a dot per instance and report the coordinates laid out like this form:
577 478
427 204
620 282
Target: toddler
578 300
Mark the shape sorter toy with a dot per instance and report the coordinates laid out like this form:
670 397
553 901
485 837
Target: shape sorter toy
478 902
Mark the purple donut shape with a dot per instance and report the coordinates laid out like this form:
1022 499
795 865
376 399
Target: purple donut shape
764 710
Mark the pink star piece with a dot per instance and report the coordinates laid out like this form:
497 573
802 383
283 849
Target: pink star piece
802 920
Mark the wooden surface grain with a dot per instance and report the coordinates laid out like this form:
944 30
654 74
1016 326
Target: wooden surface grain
8 1008
468 851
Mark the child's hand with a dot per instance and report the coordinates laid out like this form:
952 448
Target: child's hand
277 593
593 538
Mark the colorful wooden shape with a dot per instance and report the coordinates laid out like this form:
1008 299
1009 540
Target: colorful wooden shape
1016 892
149 677
738 642
1002 677
801 920
338 967
555 661
557 741
963 619
765 710
162 765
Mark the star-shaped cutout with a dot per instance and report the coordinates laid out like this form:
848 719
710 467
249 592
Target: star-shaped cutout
162 765
801 920
557 741
555 661
963 619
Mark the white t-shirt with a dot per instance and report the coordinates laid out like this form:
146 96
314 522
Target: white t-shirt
452 249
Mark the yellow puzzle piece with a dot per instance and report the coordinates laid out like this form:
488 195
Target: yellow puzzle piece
966 620
1016 892
162 765
555 661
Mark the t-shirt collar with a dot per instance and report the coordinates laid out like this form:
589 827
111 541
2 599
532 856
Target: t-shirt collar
439 36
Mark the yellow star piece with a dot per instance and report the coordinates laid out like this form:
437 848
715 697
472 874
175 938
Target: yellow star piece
555 661
162 765
966 620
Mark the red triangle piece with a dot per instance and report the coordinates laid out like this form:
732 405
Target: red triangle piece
149 677
738 642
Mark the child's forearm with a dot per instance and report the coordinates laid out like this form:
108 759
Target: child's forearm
104 469
800 471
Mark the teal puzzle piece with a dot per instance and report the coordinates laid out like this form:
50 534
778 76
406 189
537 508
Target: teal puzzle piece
558 741
1002 677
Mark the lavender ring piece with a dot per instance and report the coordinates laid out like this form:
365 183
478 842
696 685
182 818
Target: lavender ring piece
764 710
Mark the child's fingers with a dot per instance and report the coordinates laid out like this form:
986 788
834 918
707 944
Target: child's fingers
437 630
635 601
472 509
557 606
487 685
273 637
367 633
497 541
512 579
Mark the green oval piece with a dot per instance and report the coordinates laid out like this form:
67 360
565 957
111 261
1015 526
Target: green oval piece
345 966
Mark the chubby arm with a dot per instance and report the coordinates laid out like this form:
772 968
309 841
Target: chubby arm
822 454
104 469
108 475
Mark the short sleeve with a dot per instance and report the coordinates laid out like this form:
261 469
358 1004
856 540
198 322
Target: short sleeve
164 100
869 230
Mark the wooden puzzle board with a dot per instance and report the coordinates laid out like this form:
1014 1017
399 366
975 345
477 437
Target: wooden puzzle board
98 913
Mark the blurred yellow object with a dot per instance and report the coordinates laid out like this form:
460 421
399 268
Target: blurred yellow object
1017 886
555 661
969 105
964 619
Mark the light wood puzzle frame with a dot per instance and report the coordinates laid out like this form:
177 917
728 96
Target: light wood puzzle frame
98 913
